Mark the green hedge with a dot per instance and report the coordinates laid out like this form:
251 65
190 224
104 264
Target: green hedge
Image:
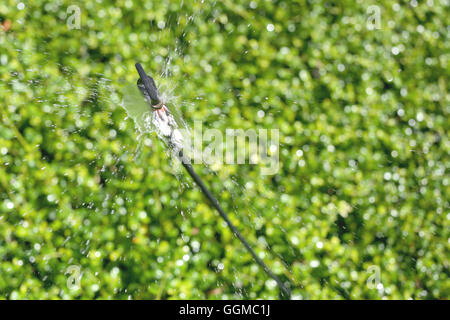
358 209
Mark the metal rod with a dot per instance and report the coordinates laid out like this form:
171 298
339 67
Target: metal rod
224 215
150 87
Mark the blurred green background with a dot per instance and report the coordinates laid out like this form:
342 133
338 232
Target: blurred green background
358 208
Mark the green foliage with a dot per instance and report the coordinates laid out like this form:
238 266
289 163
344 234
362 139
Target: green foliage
361 192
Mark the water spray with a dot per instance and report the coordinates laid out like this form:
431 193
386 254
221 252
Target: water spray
168 130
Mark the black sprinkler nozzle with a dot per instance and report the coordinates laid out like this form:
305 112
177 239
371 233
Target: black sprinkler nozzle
147 86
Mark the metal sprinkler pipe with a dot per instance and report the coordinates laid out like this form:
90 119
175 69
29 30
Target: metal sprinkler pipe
148 88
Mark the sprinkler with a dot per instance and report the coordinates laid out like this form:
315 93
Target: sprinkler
147 86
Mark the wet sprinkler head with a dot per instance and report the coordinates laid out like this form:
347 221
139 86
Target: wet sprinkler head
161 117
168 130
147 86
